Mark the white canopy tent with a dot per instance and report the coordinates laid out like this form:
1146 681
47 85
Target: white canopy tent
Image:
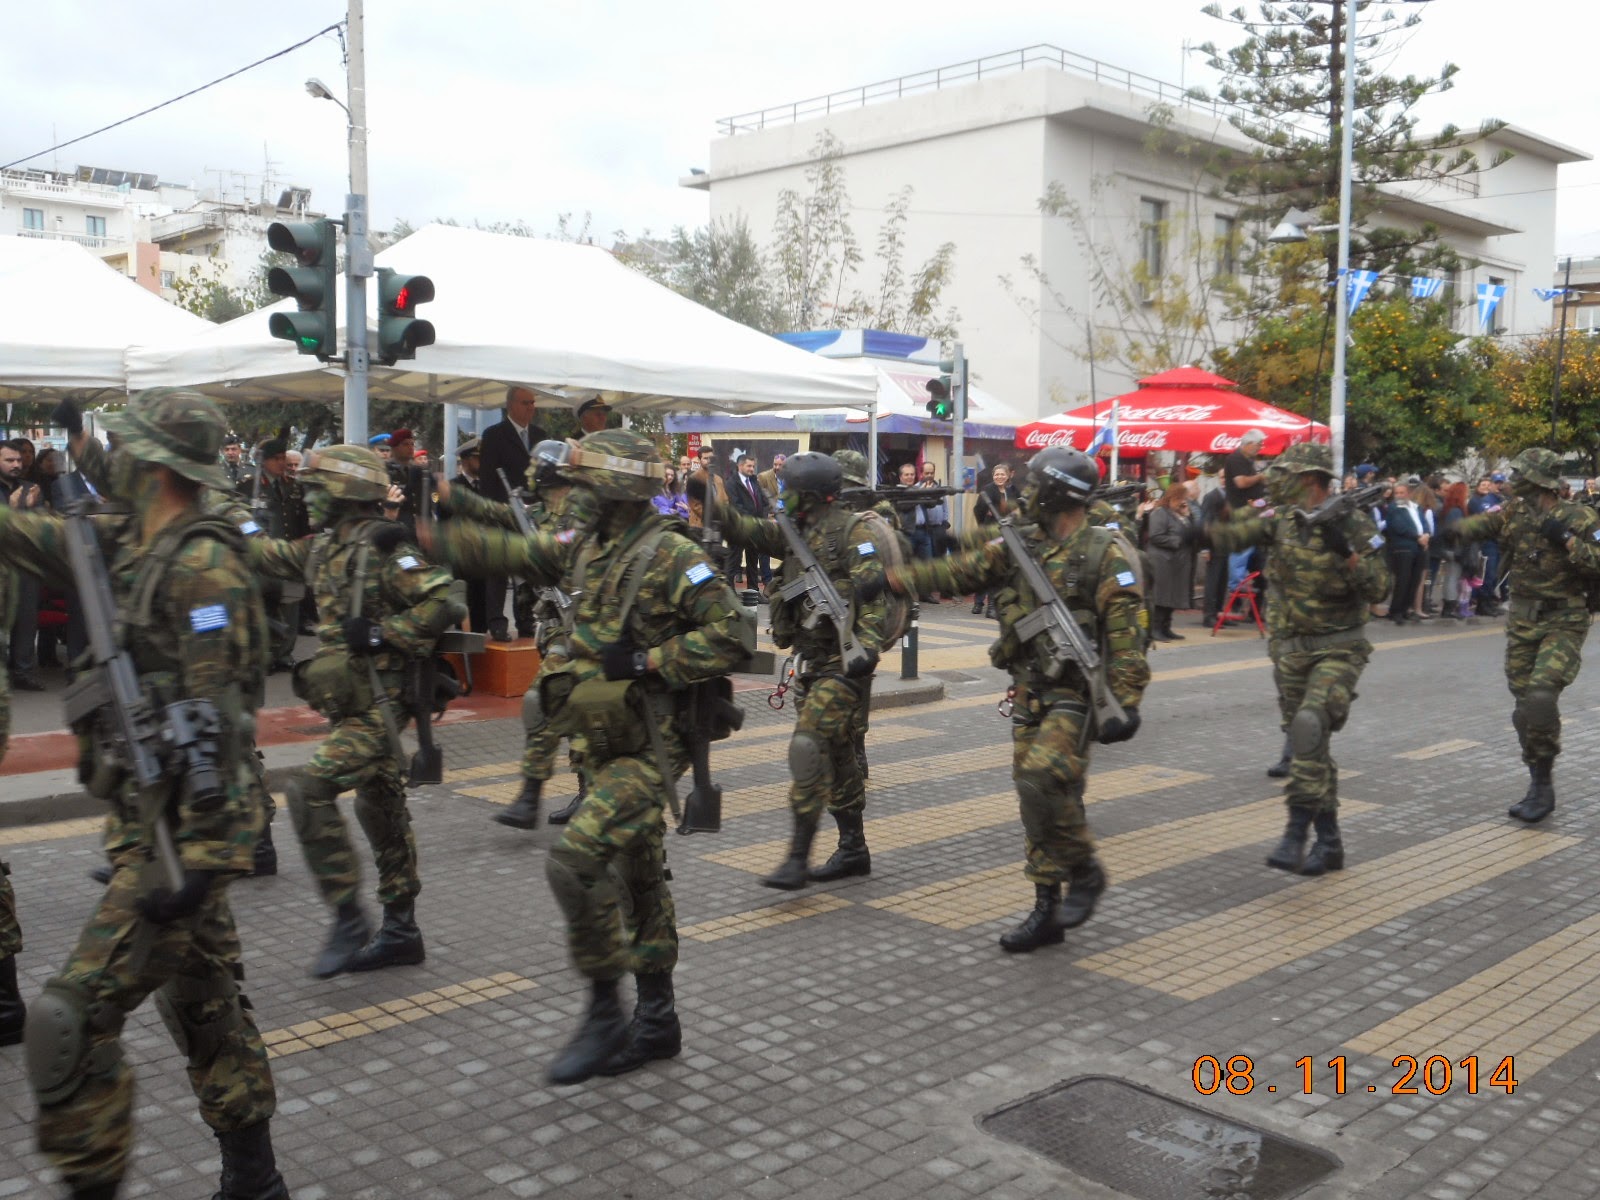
66 320
567 319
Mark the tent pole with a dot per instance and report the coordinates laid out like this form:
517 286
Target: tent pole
872 443
451 438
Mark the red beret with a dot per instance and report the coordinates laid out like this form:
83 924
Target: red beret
401 435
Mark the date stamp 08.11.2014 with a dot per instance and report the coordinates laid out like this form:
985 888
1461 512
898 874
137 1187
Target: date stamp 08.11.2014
1433 1075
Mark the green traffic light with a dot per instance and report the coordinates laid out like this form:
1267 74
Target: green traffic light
308 343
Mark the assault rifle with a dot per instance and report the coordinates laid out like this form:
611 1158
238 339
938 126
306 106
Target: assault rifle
519 511
822 598
1052 619
157 747
1116 496
708 715
899 495
1339 505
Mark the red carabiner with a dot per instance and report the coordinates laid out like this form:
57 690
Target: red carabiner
1008 705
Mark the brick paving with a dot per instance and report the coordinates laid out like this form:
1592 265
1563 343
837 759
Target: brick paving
843 1042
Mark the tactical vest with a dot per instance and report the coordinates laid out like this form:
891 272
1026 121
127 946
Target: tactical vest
837 528
1078 588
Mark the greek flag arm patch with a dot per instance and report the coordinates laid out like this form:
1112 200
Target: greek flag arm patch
865 549
1375 541
1597 535
409 562
698 573
1113 525
248 528
1125 579
208 619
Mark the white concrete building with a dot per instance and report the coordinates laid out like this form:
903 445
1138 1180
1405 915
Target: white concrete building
981 142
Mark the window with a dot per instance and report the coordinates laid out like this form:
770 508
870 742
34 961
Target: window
1227 230
1587 318
1152 244
1502 311
167 278
95 226
33 218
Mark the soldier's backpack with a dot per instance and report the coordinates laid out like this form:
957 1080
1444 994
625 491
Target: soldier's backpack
894 549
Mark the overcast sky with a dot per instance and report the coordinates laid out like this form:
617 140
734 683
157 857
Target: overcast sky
522 111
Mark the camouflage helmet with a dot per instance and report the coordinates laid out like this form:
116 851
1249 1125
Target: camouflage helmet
618 464
1538 466
179 430
853 465
347 472
1306 457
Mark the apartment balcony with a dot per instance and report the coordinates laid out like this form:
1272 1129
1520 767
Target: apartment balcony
91 241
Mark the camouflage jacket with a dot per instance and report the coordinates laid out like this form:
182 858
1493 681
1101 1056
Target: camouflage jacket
1107 606
1311 592
190 614
844 547
1539 570
402 590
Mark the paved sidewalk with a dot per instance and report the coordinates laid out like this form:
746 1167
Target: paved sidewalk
847 1041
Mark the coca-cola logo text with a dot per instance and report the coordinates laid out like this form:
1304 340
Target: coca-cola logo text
1172 412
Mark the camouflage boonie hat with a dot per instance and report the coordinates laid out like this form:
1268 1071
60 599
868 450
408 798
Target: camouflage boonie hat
853 464
1538 466
180 430
1307 456
348 472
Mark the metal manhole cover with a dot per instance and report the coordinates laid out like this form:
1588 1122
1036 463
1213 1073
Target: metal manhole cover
1147 1146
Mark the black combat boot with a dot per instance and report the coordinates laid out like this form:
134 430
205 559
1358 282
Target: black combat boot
1540 801
1280 769
398 942
1327 852
13 1015
249 1171
562 815
598 1041
793 873
1041 927
1291 851
266 854
654 1031
524 810
851 858
351 931
97 1191
1084 886
990 611
102 875
977 605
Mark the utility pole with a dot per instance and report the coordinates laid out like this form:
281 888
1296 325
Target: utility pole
958 420
358 255
1341 282
1561 346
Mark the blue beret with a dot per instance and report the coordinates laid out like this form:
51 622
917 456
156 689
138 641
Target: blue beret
376 438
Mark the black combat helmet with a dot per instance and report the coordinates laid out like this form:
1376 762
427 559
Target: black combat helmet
1059 478
819 474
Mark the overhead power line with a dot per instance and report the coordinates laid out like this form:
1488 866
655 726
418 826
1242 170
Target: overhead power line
154 107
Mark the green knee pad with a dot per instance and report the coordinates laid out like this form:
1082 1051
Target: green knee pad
311 802
201 1041
807 756
1541 709
1308 733
61 1025
1033 792
581 893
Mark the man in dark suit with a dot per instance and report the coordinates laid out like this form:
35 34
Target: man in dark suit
507 446
1407 530
748 498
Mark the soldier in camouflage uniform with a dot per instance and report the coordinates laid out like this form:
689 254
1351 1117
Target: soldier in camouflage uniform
12 1014
1051 724
190 615
653 618
404 605
1283 490
547 514
822 756
853 465
1322 580
1552 547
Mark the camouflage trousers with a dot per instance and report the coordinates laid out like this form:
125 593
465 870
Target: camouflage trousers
1543 652
10 930
539 752
609 873
357 755
1049 759
1323 681
120 960
828 716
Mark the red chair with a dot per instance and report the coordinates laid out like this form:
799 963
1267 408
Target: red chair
1246 591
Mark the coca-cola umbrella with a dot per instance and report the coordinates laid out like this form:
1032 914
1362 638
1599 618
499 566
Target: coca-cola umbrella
1185 409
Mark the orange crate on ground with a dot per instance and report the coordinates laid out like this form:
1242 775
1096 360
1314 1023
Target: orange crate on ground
505 668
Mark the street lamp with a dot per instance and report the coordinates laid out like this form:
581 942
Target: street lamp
1295 228
320 90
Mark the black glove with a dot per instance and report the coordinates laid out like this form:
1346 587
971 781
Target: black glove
1335 540
871 588
389 535
1554 530
863 668
362 634
624 660
163 906
69 416
1120 731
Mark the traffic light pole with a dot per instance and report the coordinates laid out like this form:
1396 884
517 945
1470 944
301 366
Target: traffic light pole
958 475
358 255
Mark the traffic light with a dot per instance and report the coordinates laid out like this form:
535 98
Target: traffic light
313 284
400 332
941 407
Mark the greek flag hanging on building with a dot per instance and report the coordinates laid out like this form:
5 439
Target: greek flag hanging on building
1424 288
1358 288
1489 297
1549 293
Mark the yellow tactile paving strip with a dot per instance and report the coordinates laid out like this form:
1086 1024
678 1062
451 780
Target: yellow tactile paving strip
1439 749
22 835
342 1027
949 820
999 892
764 918
1535 1006
721 760
1200 958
